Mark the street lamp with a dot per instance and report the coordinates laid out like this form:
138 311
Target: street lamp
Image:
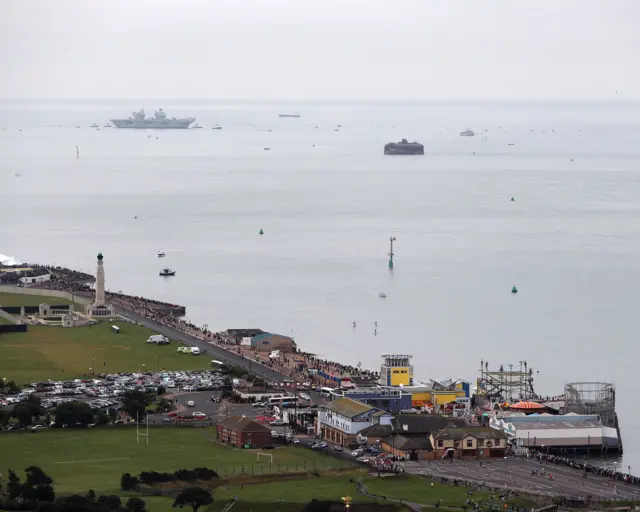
505 473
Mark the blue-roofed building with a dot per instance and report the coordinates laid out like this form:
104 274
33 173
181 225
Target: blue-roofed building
385 398
268 342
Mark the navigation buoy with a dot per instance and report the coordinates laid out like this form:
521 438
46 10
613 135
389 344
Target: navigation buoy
513 199
514 289
261 232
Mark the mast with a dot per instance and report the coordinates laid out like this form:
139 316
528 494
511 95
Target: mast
391 240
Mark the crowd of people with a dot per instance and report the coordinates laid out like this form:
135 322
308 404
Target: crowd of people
586 468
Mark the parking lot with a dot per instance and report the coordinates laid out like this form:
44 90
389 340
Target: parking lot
518 474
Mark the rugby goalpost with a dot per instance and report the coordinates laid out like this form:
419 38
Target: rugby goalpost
266 455
138 434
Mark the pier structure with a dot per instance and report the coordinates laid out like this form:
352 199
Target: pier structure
512 383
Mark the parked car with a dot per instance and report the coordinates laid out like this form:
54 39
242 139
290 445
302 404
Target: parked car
338 448
191 403
259 404
269 447
277 423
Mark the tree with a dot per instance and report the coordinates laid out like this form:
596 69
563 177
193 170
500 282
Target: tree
5 416
23 413
134 403
14 488
113 415
194 497
164 405
112 502
101 417
44 506
136 505
73 413
34 405
128 482
37 477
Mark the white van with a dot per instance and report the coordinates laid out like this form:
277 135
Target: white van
196 351
159 339
191 403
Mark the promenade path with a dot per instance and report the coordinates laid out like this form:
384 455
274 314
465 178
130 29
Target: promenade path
566 481
213 351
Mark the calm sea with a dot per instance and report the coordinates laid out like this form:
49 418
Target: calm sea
328 202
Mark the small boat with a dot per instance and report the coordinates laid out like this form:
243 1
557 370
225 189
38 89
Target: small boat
161 254
289 115
267 149
167 272
108 125
196 126
216 127
94 125
383 295
467 133
261 232
514 289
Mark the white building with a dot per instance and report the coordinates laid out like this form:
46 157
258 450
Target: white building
341 420
553 432
29 279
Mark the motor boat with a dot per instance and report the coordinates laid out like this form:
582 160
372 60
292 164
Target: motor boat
216 127
383 295
161 254
167 272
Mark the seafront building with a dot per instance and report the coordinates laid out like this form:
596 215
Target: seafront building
341 420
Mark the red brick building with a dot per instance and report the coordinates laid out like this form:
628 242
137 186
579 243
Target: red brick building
240 431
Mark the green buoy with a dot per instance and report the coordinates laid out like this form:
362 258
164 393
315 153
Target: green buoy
261 232
514 289
512 199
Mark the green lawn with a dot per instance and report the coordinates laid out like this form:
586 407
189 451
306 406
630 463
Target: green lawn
4 321
63 353
16 299
83 459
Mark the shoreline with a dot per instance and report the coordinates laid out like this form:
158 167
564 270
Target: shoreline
166 319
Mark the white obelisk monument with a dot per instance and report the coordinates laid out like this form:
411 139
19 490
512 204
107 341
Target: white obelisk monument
100 306
100 302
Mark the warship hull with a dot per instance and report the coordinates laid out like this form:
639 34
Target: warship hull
169 124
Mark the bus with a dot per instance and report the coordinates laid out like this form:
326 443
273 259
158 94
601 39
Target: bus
326 392
282 401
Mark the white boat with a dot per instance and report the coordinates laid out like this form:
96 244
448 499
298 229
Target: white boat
467 133
383 295
216 127
167 272
161 254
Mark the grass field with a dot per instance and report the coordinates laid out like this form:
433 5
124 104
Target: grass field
63 353
16 299
83 459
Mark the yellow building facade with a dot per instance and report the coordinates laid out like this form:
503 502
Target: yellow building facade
396 370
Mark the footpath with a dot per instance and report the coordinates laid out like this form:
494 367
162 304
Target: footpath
209 349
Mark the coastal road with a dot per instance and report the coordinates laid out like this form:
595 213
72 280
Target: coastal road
212 351
517 473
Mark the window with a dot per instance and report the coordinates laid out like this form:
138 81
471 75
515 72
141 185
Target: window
469 443
480 442
497 443
440 443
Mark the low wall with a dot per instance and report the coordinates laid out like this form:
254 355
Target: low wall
42 292
13 328
9 317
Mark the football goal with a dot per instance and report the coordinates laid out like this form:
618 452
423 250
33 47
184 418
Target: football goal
266 455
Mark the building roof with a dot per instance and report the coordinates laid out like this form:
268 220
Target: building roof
477 432
267 335
363 381
376 430
349 408
525 425
409 443
243 424
424 423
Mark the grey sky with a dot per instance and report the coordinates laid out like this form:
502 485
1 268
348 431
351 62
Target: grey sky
299 49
